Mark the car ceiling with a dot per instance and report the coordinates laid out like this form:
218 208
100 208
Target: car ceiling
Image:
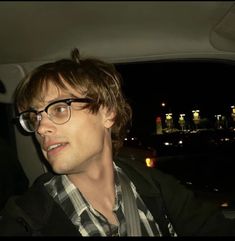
116 31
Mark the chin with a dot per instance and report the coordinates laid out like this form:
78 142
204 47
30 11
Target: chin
59 169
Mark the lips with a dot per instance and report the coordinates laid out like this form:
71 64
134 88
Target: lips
53 147
55 150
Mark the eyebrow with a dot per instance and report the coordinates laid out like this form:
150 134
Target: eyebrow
46 103
64 96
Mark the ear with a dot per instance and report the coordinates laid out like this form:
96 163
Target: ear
108 117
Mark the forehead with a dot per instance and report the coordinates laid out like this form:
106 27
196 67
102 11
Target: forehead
51 92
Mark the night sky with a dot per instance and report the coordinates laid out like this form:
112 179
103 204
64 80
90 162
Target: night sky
184 86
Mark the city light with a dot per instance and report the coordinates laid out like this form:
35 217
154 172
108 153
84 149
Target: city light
233 112
158 125
166 122
181 121
150 162
218 121
169 121
196 113
196 117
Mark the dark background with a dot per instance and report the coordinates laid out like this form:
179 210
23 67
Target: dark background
183 85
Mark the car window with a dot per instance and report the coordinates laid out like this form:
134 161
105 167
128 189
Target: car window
199 150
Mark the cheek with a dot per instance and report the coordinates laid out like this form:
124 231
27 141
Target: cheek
87 130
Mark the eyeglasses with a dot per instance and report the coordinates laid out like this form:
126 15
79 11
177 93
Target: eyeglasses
59 112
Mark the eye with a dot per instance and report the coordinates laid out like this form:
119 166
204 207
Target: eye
32 117
59 109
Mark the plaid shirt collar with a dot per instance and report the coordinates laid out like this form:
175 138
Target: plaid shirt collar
90 222
63 190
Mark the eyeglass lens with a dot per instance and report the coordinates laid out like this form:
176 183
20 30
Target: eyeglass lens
58 113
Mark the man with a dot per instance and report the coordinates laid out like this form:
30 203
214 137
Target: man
78 114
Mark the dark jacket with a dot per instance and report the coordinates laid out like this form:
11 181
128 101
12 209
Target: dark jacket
36 213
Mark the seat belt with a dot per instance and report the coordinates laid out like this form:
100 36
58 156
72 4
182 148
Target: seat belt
130 207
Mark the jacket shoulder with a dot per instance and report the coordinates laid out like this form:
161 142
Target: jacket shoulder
27 212
143 176
36 213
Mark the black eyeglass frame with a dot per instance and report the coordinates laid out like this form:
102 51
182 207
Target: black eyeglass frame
68 101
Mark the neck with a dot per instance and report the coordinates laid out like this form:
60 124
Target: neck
94 170
96 182
98 188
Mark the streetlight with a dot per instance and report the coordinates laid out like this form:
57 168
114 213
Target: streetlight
218 121
169 121
196 117
181 121
233 112
163 104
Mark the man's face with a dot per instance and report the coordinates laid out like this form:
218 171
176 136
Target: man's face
71 147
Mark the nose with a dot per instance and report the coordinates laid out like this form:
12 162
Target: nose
46 126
